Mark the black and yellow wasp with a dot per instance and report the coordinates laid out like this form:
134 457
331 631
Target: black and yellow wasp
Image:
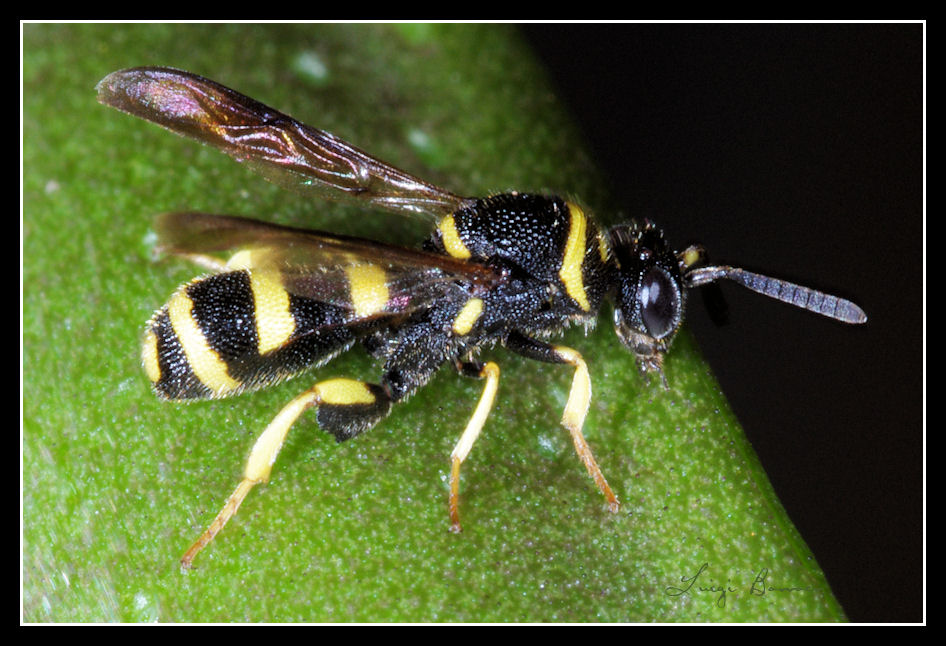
510 269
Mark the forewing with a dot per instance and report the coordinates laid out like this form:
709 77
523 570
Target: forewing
282 149
323 266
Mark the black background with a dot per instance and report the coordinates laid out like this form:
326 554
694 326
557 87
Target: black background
795 150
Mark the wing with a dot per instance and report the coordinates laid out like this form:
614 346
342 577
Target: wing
325 266
277 146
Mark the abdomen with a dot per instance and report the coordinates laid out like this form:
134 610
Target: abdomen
237 331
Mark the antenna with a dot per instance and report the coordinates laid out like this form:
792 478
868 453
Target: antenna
839 309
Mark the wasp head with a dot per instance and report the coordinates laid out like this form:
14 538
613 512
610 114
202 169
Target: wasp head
649 296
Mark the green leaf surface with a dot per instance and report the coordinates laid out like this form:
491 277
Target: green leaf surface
116 484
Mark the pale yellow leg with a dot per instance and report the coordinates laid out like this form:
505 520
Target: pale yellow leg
576 409
462 449
268 445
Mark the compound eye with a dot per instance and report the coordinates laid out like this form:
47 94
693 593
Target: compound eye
660 302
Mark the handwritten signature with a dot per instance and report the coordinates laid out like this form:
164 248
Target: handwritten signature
699 584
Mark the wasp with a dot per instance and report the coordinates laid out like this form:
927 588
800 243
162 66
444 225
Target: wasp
512 269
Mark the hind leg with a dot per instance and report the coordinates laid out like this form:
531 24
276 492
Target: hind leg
346 408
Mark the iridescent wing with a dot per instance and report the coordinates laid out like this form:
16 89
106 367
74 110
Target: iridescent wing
277 146
320 265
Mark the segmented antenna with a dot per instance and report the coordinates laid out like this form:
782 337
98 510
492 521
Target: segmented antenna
806 298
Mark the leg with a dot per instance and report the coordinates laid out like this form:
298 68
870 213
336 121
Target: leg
579 398
346 407
489 371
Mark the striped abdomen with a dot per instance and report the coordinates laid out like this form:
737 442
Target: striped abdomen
239 330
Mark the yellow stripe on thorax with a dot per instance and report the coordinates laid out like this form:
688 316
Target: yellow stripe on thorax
451 239
604 251
368 289
206 364
468 316
570 272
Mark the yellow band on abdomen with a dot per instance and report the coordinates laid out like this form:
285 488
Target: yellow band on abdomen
368 289
207 365
274 321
